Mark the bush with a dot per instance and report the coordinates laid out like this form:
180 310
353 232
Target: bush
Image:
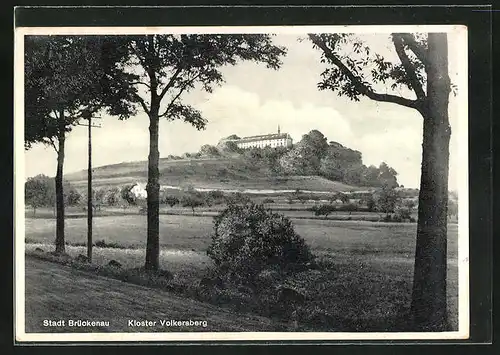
348 207
215 197
388 218
209 150
249 238
192 200
112 196
127 196
114 263
229 147
402 213
236 198
103 244
169 200
268 278
100 243
268 200
370 203
323 210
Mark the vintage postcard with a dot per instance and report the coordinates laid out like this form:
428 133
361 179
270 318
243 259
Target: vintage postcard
241 183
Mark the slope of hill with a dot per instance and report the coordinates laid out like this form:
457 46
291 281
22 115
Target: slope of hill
211 173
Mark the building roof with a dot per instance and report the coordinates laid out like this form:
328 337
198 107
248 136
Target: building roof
263 137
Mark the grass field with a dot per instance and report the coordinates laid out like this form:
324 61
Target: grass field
185 232
297 212
369 280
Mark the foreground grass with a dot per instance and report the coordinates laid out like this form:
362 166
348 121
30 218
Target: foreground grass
348 293
364 284
187 267
58 292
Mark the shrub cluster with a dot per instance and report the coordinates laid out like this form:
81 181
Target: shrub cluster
248 239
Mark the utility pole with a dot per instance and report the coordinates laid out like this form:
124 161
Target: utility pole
90 209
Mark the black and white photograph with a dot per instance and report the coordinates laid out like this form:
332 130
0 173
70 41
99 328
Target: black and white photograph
241 183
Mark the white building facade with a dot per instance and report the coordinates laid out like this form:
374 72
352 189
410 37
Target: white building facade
267 140
139 191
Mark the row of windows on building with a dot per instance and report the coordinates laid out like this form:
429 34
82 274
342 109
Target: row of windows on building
265 143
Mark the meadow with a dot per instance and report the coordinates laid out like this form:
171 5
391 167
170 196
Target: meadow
187 232
366 286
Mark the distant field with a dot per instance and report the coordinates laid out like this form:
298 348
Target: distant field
185 232
224 173
292 211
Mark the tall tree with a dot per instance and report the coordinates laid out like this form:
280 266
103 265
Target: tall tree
71 195
386 199
387 175
39 191
168 66
69 78
419 80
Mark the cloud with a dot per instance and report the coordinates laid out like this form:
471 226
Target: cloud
400 148
233 110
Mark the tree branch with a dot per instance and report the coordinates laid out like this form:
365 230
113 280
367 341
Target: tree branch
143 64
50 141
84 111
142 102
179 94
358 84
415 47
171 82
55 115
172 101
409 67
140 83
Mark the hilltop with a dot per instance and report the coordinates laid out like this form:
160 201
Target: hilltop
266 162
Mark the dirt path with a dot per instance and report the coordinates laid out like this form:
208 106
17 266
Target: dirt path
59 293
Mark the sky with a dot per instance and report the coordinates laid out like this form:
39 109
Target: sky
255 100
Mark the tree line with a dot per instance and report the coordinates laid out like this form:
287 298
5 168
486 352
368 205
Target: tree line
40 192
395 204
312 155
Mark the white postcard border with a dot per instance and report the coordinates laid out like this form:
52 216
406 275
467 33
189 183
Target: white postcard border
19 240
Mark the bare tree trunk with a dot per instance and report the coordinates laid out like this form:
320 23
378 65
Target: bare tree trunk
153 190
60 243
429 306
